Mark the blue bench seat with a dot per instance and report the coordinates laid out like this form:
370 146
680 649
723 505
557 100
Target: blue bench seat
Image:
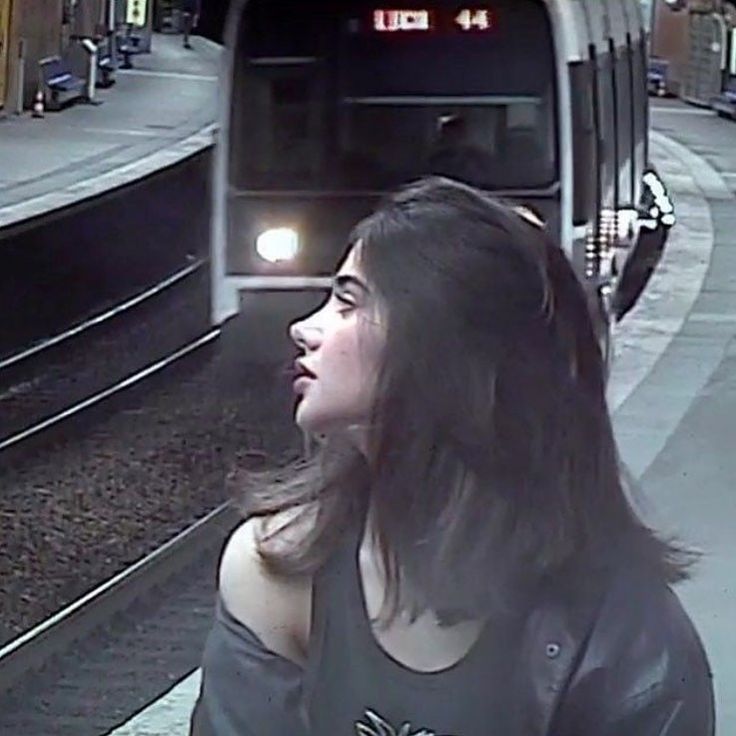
658 77
61 86
129 45
105 71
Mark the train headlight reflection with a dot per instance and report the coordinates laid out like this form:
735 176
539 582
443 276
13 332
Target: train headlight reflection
278 244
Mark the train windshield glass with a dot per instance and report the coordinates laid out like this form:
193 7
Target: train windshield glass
369 97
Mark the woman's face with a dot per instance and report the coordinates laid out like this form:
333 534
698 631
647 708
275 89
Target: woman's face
341 345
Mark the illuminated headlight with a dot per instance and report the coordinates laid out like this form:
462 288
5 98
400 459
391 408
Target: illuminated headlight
654 183
278 244
657 188
666 206
668 220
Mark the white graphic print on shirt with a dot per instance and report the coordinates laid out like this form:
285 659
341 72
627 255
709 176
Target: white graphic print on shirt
381 727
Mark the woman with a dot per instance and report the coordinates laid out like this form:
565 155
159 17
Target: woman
459 556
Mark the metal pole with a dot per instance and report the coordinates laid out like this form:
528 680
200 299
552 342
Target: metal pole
93 75
112 34
91 48
20 80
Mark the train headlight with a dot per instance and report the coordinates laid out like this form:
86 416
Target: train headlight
278 244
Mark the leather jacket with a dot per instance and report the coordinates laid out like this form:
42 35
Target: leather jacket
626 661
607 655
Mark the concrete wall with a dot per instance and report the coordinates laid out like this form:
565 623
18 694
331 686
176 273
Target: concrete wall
38 23
11 64
88 16
5 10
670 40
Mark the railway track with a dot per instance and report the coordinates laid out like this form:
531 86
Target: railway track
187 406
48 384
82 618
57 378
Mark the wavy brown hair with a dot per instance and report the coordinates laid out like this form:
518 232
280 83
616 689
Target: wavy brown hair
491 465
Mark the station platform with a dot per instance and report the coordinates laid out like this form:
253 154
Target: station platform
156 114
672 397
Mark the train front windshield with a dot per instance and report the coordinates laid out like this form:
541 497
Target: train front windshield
355 97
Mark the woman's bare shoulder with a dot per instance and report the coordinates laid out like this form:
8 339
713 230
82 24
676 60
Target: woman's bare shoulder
276 608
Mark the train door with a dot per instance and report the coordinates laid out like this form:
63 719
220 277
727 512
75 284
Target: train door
284 92
604 104
4 48
621 48
639 99
279 111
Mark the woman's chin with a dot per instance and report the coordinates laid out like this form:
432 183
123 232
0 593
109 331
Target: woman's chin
321 426
307 421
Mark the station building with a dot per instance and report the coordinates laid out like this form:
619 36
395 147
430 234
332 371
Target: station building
697 39
31 30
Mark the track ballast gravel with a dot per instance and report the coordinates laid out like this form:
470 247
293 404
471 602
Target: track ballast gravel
111 488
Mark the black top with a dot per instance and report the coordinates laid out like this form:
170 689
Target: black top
351 680
620 656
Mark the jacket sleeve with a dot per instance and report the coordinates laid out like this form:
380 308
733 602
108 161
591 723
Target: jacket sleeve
662 711
643 672
246 689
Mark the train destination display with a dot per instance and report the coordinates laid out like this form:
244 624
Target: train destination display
433 20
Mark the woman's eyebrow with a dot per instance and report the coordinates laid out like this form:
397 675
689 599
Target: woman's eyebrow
343 280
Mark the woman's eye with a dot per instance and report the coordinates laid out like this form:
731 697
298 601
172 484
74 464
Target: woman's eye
345 302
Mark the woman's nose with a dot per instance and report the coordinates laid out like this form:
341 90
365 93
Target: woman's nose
304 335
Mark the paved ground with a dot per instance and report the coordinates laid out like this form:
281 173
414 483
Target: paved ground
155 115
703 132
673 395
676 428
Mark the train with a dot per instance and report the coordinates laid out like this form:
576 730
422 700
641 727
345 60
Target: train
329 104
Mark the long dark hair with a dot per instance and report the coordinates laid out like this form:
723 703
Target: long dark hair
491 464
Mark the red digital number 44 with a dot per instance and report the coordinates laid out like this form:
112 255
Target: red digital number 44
474 20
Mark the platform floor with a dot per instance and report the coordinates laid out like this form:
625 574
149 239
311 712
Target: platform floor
155 114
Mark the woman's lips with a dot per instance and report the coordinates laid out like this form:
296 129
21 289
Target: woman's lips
301 382
302 376
300 369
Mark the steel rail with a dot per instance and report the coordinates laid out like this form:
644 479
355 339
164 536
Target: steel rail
127 382
103 317
31 650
